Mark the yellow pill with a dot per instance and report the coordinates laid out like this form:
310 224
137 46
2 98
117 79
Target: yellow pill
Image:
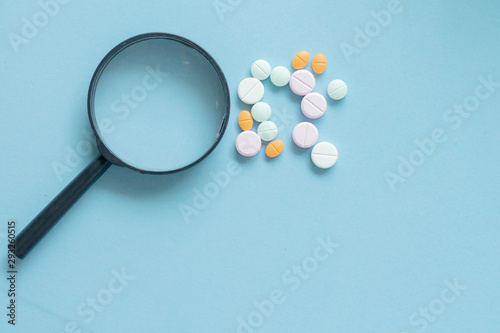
300 60
319 63
274 148
245 120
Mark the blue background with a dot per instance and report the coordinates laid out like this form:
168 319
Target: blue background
397 247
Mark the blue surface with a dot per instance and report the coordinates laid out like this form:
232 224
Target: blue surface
399 248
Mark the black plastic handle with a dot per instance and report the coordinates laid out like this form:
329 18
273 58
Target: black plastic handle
57 207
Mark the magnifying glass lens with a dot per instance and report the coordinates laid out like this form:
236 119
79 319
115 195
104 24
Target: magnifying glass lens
159 105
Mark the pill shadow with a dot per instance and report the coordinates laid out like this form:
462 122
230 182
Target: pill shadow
299 151
294 98
243 159
319 171
270 159
237 126
277 90
241 106
274 159
336 104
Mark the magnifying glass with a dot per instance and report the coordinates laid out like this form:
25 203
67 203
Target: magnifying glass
158 104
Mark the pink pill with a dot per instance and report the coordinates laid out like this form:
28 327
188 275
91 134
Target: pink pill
302 82
313 105
248 143
305 135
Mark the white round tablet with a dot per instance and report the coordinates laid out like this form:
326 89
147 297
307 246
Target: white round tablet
305 135
250 90
313 105
280 76
324 155
261 111
302 82
248 143
267 131
261 69
337 89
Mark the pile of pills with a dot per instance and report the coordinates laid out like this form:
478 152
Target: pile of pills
313 105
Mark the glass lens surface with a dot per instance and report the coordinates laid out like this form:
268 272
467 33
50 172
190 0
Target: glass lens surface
159 105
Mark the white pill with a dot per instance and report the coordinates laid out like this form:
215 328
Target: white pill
280 76
337 89
302 82
313 105
261 111
324 155
267 131
261 69
250 90
305 135
248 143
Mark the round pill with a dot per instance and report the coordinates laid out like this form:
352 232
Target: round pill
261 69
313 105
250 90
274 148
245 120
267 131
319 63
248 143
261 111
300 60
305 135
324 155
302 82
280 76
337 89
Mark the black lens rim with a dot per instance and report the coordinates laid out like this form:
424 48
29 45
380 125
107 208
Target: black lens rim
108 154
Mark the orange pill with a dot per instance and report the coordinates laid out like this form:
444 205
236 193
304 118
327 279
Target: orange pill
274 148
300 60
319 63
245 120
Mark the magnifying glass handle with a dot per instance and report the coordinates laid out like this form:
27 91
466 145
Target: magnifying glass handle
57 207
